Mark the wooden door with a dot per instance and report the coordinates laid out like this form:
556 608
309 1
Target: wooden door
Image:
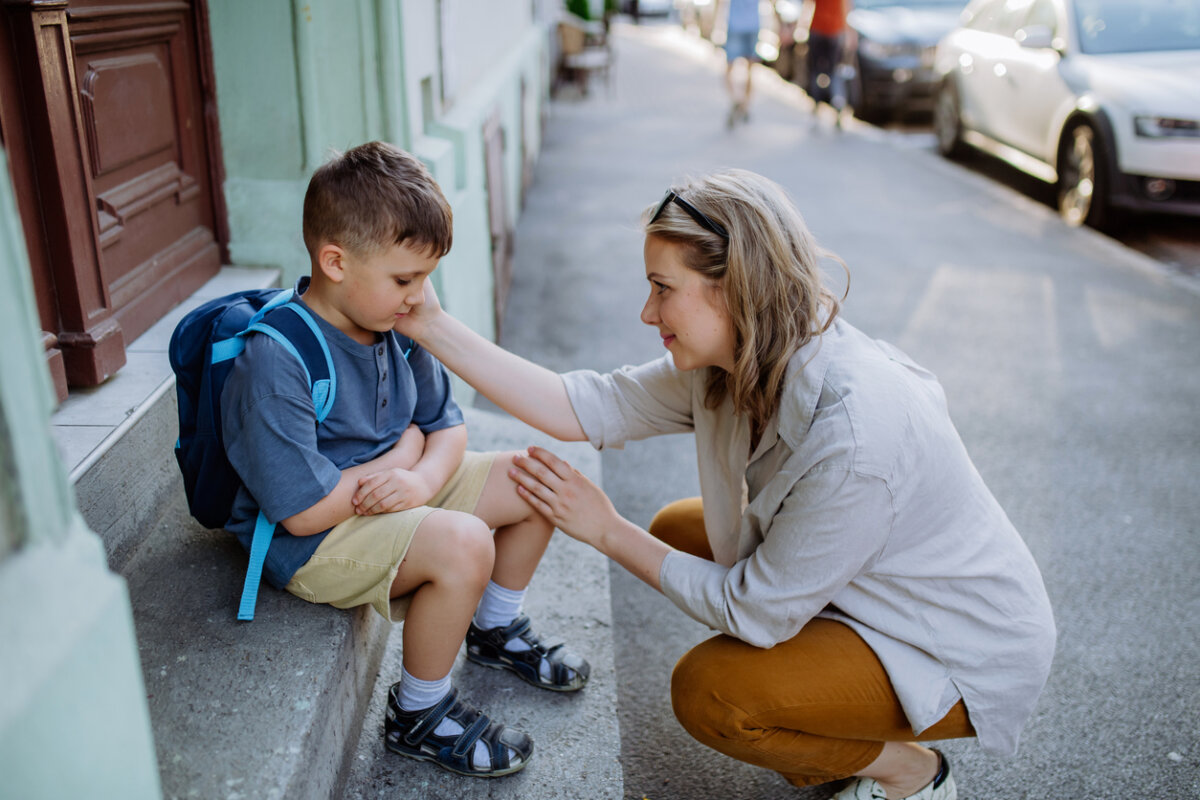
115 126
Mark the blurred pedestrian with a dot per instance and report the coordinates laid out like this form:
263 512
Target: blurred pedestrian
869 591
826 48
741 42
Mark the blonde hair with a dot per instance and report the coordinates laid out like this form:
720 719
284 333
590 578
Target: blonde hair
769 276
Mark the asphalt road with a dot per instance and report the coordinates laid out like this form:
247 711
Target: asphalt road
1070 363
1170 239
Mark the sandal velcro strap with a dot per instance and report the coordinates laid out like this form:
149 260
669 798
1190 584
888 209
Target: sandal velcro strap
567 672
430 718
467 739
413 734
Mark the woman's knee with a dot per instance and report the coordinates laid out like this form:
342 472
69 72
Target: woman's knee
681 525
696 698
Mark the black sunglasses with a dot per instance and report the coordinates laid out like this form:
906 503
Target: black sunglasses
701 219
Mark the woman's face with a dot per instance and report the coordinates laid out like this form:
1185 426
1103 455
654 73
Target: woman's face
687 309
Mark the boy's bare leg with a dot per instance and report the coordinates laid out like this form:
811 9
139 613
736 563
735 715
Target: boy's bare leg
522 534
502 637
447 567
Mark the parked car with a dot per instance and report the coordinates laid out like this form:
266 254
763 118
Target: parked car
1100 98
893 54
646 8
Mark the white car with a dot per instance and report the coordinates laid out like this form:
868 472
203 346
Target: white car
1099 97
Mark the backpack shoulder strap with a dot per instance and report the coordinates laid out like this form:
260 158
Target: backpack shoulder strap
406 345
294 328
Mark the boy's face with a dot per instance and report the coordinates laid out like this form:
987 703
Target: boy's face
381 287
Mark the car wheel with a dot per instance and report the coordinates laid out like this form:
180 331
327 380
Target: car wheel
1082 177
947 121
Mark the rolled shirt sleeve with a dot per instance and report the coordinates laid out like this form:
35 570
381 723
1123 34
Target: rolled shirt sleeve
634 402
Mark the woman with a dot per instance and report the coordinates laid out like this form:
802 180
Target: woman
870 592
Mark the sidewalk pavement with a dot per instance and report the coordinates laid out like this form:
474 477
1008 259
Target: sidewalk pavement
1070 364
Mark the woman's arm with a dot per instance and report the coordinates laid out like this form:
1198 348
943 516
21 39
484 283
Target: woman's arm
531 393
579 508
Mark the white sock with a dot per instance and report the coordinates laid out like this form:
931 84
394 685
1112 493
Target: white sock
416 694
499 607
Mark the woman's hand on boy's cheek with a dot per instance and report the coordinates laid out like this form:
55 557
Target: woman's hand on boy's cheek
390 490
563 495
412 324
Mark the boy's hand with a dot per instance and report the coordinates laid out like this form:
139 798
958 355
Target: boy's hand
391 490
413 323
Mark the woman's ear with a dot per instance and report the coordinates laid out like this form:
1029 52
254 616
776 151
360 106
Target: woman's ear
331 260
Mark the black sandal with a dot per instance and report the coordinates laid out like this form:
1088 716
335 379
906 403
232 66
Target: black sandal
410 733
568 672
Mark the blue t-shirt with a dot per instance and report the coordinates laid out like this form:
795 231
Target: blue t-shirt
743 16
286 461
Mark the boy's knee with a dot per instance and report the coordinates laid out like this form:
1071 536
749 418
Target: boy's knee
467 546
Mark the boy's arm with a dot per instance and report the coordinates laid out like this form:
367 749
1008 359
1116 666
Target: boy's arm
409 447
398 489
338 505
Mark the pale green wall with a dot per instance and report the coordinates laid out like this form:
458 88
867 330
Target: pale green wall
297 79
254 58
73 715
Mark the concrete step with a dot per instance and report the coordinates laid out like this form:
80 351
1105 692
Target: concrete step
262 709
267 709
576 737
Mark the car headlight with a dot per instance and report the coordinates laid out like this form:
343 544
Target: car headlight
885 50
1164 127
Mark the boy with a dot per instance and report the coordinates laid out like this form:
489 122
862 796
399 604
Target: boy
380 503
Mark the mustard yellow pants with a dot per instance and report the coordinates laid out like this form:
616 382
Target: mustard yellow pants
816 708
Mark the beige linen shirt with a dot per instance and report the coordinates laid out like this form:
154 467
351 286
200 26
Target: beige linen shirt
859 504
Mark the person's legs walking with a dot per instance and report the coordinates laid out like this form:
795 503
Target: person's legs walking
820 68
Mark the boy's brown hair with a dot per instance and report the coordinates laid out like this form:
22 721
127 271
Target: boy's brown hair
372 197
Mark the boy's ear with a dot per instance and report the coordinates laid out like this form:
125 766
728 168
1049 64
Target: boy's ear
331 260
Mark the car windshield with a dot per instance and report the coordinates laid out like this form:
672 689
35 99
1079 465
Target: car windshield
909 3
1121 26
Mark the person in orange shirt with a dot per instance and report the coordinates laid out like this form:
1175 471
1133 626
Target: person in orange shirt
826 39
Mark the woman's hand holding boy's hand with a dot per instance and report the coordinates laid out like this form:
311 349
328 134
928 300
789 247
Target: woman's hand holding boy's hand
391 490
415 321
563 495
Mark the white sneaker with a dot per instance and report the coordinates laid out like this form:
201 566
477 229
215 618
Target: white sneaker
869 788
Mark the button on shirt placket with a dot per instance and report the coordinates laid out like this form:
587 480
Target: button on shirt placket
384 394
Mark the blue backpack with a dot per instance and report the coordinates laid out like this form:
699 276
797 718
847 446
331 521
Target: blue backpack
202 350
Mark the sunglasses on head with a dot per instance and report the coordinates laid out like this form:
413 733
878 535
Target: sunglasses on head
701 219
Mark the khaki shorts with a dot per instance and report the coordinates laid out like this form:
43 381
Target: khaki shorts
358 560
